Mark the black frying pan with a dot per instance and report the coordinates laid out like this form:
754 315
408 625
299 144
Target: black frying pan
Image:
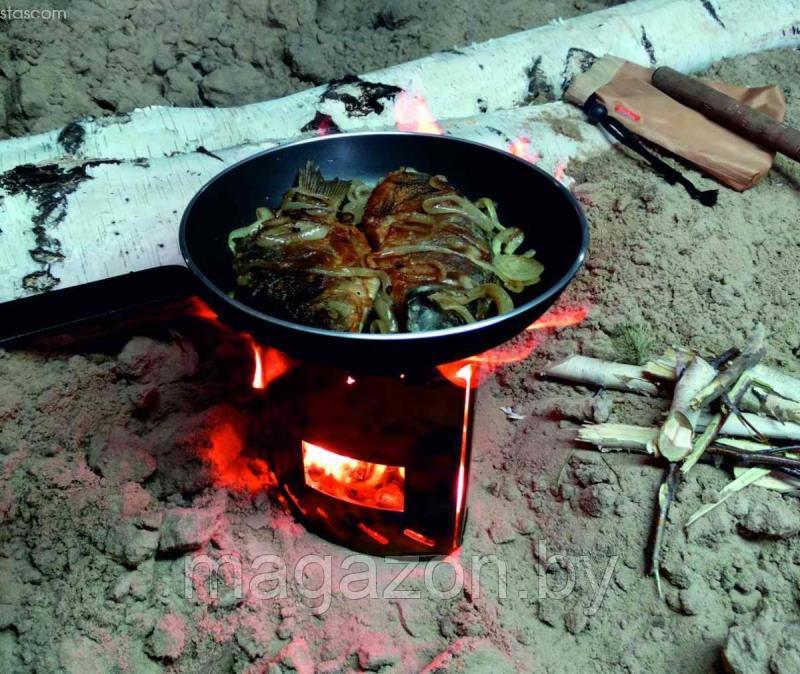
527 197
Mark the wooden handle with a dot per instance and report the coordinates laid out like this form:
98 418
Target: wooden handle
728 112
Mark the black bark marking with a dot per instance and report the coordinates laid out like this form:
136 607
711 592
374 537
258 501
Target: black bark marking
208 153
321 123
648 47
499 133
482 106
712 11
578 61
48 187
71 137
40 281
359 97
539 89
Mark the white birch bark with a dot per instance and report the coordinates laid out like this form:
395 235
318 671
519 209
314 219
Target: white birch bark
687 35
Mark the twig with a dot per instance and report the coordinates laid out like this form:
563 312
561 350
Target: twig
788 449
666 494
752 353
746 423
403 621
763 459
725 357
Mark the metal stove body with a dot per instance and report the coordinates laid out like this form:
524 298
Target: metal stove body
379 464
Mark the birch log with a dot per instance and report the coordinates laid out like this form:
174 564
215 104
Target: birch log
511 71
108 218
103 197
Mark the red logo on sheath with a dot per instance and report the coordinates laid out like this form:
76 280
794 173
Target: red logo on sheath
626 112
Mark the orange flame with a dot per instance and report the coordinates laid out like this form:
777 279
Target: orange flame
560 171
199 308
232 468
411 113
268 365
373 485
521 147
561 317
488 362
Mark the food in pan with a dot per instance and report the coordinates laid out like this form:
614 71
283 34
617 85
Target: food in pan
411 254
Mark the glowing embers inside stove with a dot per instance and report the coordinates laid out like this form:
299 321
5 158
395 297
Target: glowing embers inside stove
372 485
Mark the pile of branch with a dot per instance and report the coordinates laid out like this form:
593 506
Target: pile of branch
729 409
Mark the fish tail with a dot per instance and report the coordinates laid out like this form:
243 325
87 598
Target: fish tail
310 180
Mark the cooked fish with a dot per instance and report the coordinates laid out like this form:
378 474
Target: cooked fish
431 246
304 263
411 254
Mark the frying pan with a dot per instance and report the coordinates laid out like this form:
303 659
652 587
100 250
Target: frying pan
527 198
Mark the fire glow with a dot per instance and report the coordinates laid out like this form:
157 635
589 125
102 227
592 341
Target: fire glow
372 485
411 113
465 374
268 365
521 147
517 350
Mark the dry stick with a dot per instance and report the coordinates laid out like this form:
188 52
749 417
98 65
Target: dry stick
612 436
725 357
603 373
717 421
640 439
788 449
777 382
666 494
763 459
703 442
752 353
675 436
771 404
746 425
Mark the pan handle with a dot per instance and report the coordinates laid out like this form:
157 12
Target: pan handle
66 307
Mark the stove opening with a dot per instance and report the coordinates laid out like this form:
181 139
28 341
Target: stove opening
372 485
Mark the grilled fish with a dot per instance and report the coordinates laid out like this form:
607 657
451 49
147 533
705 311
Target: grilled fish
304 263
428 245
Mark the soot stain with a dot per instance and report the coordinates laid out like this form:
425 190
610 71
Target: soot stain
712 12
71 137
48 187
578 61
322 123
539 89
359 97
208 153
500 133
648 47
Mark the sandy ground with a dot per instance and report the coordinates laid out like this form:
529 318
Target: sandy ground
120 465
112 56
